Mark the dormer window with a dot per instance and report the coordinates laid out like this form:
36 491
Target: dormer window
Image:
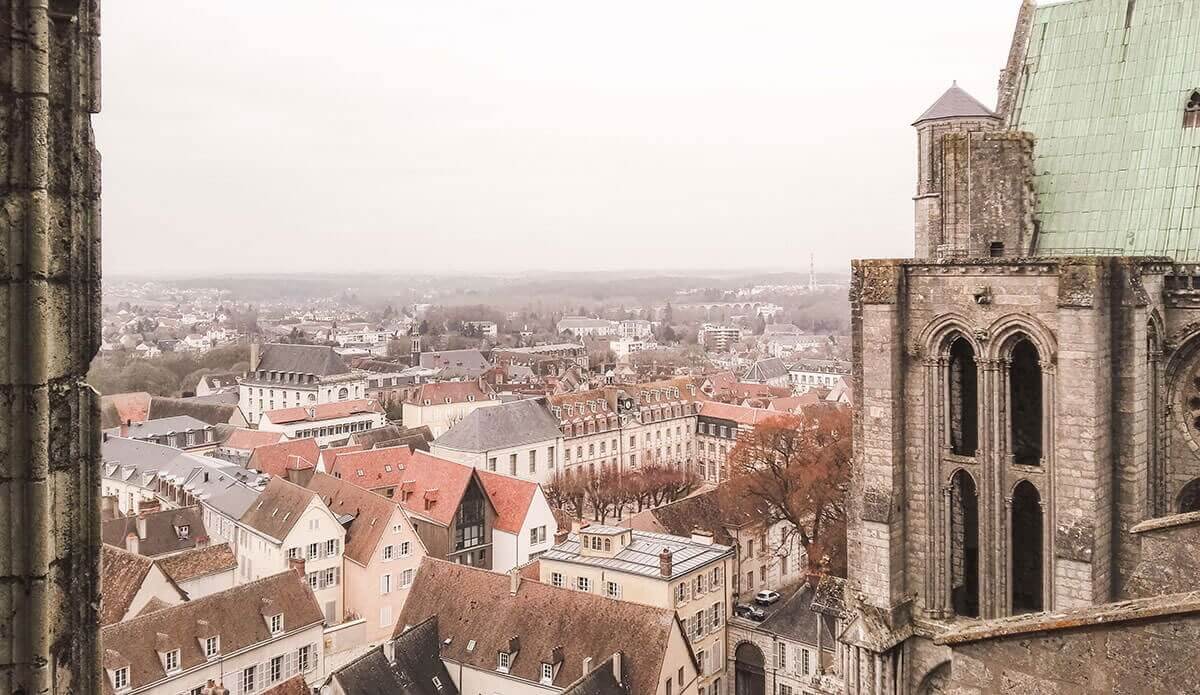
503 661
547 674
171 661
120 678
276 624
212 647
1191 112
183 531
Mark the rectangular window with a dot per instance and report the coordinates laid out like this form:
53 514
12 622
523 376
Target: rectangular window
276 669
785 689
547 673
780 656
406 579
385 584
556 579
698 624
248 680
612 590
805 666
405 548
212 647
172 660
276 624
121 678
304 658
502 662
388 552
533 460
385 616
583 584
312 550
492 464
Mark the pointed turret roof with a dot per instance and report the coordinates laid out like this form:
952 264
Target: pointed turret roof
956 103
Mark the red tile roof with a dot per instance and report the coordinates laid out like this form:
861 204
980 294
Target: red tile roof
372 513
739 414
456 391
249 440
511 497
324 411
380 467
132 407
273 460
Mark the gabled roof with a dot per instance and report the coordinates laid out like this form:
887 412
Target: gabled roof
248 440
278 508
707 511
318 360
481 612
419 473
149 429
956 103
374 437
122 574
126 407
273 459
380 467
764 370
601 680
417 664
502 426
161 534
795 620
236 615
371 514
511 497
737 413
469 360
205 408
448 392
324 411
198 562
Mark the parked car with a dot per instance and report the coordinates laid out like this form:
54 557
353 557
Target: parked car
766 597
749 612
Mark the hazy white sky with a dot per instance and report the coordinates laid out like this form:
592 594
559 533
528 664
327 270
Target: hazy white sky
395 135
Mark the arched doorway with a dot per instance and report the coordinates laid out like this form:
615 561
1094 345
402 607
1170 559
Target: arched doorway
964 545
1025 390
964 401
750 676
1026 549
1189 497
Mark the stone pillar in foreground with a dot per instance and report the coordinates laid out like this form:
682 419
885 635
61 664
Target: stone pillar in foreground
49 330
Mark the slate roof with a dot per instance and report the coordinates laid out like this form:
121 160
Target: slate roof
204 408
482 612
278 508
148 429
372 438
468 360
371 514
324 411
795 620
273 459
765 370
502 426
601 680
955 103
318 360
707 511
641 555
221 380
198 562
1115 171
161 537
417 663
236 615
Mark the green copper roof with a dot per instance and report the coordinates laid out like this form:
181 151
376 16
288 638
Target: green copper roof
1116 171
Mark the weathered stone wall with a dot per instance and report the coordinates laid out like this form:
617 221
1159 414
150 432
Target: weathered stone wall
1125 649
988 193
49 326
1168 556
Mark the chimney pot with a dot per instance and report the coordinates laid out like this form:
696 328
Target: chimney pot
296 564
617 671
514 577
560 536
587 665
665 562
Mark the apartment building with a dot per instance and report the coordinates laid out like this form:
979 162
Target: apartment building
326 422
296 376
689 575
520 439
440 405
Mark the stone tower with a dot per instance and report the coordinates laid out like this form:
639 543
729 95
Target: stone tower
1025 414
49 331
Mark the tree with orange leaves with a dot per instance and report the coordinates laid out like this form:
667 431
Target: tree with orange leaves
797 469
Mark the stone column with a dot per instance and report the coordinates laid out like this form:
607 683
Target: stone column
49 330
991 392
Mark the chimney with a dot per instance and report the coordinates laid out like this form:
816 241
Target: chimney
125 428
618 675
255 358
108 507
560 536
389 650
296 564
141 526
702 537
664 562
587 665
131 542
514 581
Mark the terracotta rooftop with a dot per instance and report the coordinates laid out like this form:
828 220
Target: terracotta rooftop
248 440
273 459
510 496
371 514
379 468
324 411
454 391
737 413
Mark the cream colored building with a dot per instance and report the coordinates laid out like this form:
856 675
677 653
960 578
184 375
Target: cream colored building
294 376
687 575
440 406
288 525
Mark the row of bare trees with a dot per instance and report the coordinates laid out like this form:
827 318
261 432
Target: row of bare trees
608 493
